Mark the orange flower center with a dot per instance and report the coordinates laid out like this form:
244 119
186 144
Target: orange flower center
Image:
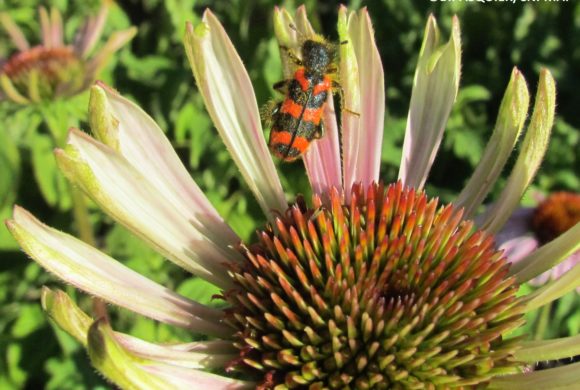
49 61
555 215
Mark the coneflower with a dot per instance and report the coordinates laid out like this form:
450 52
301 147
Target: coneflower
53 69
530 227
368 285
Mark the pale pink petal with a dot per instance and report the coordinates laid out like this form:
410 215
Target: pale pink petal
230 100
182 378
322 160
45 27
197 355
16 34
56 27
435 88
125 127
126 195
363 133
98 274
116 41
89 34
517 248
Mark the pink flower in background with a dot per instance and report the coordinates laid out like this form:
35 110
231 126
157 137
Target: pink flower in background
52 68
531 227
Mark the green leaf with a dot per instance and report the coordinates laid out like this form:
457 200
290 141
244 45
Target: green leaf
200 291
9 169
30 319
52 184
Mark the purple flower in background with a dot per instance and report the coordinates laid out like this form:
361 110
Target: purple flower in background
529 228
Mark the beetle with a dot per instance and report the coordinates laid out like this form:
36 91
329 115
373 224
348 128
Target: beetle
297 120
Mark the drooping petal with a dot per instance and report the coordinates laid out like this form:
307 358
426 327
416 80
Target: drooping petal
518 248
129 370
190 355
434 91
565 377
66 314
362 121
510 121
126 195
193 379
532 152
202 354
125 127
537 350
96 273
231 103
14 31
547 256
554 289
117 364
89 34
116 41
322 159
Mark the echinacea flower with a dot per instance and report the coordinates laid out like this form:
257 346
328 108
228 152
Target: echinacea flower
53 69
366 286
530 227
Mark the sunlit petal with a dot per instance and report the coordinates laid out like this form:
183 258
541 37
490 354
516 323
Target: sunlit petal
510 121
96 273
132 200
362 121
566 377
532 152
231 103
434 91
125 127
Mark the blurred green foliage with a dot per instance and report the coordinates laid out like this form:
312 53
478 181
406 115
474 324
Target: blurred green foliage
154 72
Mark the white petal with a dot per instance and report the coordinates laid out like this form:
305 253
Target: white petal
231 103
434 91
96 273
132 200
126 128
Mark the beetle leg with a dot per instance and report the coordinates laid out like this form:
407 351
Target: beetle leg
269 111
319 132
338 88
293 57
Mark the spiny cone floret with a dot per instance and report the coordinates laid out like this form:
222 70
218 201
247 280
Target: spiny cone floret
385 291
